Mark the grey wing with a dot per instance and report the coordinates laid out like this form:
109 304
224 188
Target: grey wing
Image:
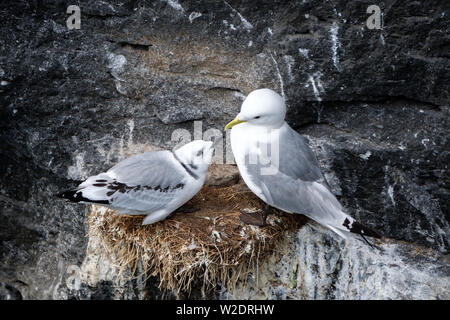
297 160
310 198
143 183
151 169
296 184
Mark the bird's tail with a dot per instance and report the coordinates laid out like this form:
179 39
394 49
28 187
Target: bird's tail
363 231
358 228
353 226
71 195
77 196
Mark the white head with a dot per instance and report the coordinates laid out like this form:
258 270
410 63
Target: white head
196 155
262 107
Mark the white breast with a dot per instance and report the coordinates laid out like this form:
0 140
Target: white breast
245 143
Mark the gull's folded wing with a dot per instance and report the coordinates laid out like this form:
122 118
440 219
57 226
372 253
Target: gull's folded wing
142 183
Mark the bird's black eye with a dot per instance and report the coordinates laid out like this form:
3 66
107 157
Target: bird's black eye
199 153
257 117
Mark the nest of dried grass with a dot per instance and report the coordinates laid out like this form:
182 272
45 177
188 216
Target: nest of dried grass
211 245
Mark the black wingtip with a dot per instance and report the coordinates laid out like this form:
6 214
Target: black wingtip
77 196
69 195
363 230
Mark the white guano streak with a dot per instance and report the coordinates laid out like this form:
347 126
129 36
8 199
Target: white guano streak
335 44
279 75
247 25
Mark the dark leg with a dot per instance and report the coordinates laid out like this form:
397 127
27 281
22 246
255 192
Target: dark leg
255 217
266 211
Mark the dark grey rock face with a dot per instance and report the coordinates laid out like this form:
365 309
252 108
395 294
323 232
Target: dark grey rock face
374 103
317 264
391 163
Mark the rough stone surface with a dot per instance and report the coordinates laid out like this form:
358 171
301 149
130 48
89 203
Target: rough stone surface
316 264
222 175
374 104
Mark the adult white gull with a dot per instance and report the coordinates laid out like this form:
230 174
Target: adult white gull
277 164
154 184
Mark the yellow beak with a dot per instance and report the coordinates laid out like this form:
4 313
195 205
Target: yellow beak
233 123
